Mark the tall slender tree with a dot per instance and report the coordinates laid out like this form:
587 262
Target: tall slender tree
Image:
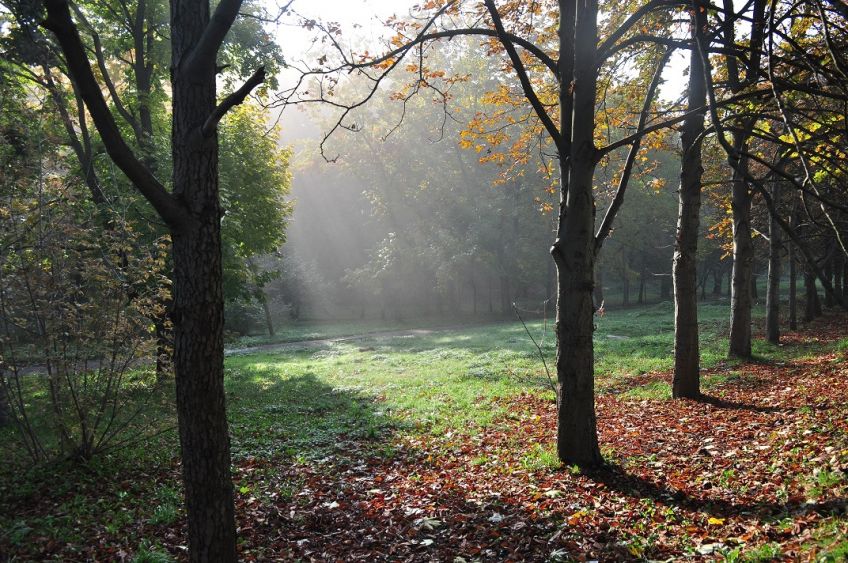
686 347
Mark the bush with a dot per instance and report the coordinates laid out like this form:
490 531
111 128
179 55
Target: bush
78 295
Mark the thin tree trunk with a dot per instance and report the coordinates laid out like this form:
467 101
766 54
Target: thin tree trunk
625 282
717 276
773 292
686 381
828 274
269 323
743 263
793 289
810 296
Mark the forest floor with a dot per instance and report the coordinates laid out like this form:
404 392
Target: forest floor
439 447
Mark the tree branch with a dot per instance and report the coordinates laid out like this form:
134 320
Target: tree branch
618 199
526 86
206 50
231 101
60 23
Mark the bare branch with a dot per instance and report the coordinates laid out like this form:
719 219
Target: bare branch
232 100
624 180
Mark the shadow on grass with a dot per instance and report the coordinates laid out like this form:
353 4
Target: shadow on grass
302 417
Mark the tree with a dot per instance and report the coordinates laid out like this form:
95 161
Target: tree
192 212
686 348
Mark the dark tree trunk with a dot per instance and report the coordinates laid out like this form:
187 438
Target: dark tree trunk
773 292
729 282
755 295
793 289
198 310
686 348
193 215
828 274
574 249
625 282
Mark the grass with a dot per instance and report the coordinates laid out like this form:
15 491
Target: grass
310 403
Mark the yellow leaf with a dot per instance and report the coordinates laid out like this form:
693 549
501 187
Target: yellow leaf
715 521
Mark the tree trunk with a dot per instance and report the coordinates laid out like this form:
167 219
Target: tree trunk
828 274
717 276
268 321
642 281
574 249
686 381
793 291
743 262
198 310
810 295
729 281
755 296
625 282
773 292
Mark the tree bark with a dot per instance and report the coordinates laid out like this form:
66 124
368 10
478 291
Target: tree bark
773 292
198 308
686 383
743 262
793 288
574 249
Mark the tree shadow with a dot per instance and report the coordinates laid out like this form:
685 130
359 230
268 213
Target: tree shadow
726 404
618 479
302 416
